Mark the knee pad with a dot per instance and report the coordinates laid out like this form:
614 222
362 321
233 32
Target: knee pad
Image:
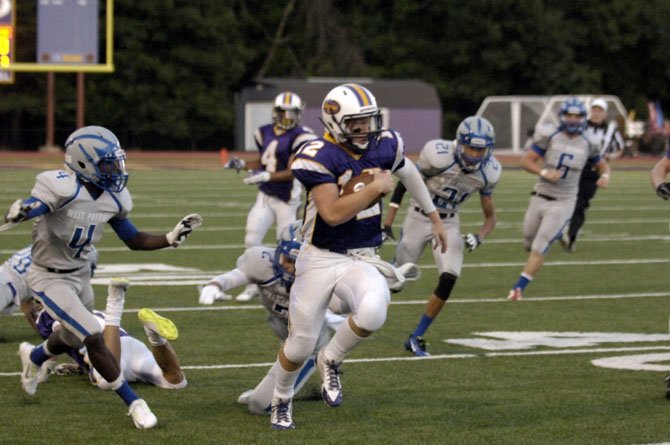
371 313
445 285
300 346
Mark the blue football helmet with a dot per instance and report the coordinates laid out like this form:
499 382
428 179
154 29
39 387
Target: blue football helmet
95 155
288 246
347 103
572 106
287 110
475 135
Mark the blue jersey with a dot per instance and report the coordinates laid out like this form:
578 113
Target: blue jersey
275 150
324 161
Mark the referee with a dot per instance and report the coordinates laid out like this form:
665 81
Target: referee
607 135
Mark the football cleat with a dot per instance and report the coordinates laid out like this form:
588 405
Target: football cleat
30 374
142 416
117 289
331 389
243 399
248 293
416 345
281 416
515 294
157 324
667 387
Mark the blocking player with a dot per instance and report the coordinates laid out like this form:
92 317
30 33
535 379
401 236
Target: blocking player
557 157
279 194
338 231
74 205
273 270
452 171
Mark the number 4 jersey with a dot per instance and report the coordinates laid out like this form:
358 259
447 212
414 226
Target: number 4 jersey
62 238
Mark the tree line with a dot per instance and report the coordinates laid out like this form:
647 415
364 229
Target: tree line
179 63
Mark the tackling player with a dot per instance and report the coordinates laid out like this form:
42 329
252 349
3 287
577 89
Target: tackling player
557 157
338 231
452 171
73 206
279 194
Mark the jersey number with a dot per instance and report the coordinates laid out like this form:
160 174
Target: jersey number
563 167
79 243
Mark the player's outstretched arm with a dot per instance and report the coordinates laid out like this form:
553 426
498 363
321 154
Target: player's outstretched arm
137 240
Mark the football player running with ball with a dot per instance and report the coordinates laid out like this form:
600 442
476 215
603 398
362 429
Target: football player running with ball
453 171
338 230
73 206
279 193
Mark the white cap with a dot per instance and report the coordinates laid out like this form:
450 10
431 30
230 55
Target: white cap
599 103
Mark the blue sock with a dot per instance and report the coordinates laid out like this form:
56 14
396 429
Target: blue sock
39 355
423 325
127 393
523 281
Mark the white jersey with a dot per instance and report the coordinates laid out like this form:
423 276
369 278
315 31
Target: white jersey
13 288
255 265
450 185
63 237
566 153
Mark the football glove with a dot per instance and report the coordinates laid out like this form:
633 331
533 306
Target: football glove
257 177
236 163
663 190
211 293
471 241
387 233
18 212
182 230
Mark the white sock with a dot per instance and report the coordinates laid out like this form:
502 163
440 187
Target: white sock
342 342
285 382
154 337
113 312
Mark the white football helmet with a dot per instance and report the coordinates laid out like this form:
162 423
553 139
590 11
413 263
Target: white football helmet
350 114
95 155
474 142
287 110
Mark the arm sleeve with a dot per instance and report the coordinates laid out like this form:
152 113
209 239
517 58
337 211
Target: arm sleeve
410 176
398 193
124 228
231 280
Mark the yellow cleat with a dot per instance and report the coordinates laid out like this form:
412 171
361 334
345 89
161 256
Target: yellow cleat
160 325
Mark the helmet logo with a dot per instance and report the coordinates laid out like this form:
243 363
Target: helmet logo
331 107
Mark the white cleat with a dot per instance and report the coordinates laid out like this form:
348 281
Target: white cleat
515 294
331 389
117 289
244 398
281 414
142 416
30 373
248 293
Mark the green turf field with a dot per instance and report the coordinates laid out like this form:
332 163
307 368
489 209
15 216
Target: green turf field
501 372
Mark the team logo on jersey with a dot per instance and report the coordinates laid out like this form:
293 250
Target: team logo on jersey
331 107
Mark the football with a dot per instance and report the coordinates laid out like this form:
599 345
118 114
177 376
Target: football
358 183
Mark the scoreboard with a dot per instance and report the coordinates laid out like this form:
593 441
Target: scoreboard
6 40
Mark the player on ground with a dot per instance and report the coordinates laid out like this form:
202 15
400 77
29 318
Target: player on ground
279 193
338 231
452 171
73 206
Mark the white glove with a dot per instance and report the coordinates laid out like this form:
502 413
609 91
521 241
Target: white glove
18 211
182 230
211 293
472 241
236 163
257 177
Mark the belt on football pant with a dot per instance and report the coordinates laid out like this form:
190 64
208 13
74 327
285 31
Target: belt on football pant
442 215
547 197
52 270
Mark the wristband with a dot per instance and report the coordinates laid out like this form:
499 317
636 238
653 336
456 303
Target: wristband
543 172
394 205
605 175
